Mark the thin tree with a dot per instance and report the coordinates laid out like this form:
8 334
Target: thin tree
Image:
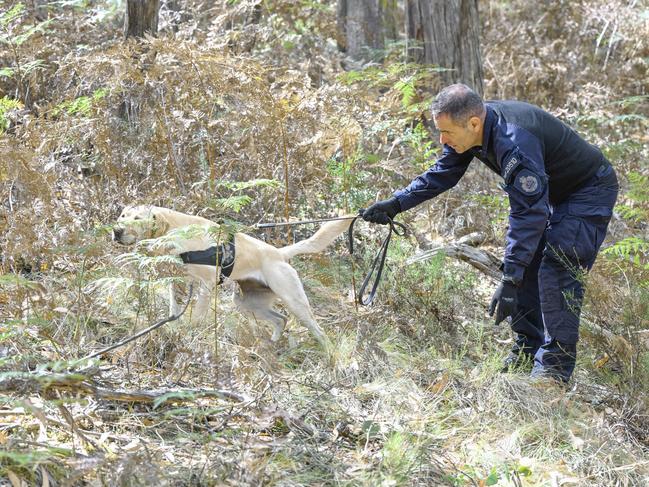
446 33
360 28
141 17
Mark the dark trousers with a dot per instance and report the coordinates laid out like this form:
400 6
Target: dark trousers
551 295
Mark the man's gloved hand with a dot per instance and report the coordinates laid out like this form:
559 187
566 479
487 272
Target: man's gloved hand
381 211
506 299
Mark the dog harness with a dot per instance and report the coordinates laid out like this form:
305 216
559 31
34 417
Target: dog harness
221 255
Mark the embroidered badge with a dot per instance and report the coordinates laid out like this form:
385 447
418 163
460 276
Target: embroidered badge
528 182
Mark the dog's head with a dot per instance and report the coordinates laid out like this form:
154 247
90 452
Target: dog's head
139 222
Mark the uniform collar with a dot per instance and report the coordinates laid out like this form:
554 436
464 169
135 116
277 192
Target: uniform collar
490 118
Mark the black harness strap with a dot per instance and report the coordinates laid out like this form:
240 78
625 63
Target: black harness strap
221 255
379 260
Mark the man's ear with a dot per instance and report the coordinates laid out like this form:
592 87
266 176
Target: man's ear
475 124
160 224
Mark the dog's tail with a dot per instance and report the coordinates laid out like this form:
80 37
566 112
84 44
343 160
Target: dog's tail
319 241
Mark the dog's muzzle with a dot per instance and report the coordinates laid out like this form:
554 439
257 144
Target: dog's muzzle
118 233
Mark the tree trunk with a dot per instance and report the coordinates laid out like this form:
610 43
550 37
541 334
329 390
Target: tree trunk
141 18
360 29
391 20
446 33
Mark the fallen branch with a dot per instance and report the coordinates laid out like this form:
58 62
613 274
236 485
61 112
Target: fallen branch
142 332
463 250
39 383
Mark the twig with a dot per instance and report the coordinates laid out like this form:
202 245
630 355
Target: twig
35 383
143 332
11 191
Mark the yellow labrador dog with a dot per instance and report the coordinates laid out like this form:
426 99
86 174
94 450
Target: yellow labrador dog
261 270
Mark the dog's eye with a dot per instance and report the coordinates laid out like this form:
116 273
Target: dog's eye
136 218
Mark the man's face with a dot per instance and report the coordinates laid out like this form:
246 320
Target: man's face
460 138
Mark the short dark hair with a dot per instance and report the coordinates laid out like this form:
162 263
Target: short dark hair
459 102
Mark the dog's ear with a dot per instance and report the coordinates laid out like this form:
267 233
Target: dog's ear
160 224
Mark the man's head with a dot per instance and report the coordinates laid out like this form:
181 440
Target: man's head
459 115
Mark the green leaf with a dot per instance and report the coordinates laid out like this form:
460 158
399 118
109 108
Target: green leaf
524 470
7 72
371 429
407 90
12 14
493 477
31 30
234 203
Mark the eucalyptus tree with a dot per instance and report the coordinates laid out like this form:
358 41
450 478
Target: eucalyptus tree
446 33
363 25
141 17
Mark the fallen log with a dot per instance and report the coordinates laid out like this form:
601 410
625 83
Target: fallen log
463 250
27 383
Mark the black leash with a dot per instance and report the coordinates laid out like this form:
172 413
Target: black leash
376 269
379 261
303 222
143 332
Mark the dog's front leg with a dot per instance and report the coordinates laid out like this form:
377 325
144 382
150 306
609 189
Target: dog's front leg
174 307
202 307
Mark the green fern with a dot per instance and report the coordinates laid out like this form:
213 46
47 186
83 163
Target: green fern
80 106
234 203
639 190
254 183
6 105
633 249
237 202
423 146
632 213
407 89
13 34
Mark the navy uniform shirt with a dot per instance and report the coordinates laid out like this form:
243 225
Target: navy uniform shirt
541 160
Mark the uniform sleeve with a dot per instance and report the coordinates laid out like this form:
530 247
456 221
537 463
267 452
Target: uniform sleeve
445 174
526 183
528 200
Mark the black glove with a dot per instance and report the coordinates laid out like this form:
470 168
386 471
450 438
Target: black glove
381 211
506 297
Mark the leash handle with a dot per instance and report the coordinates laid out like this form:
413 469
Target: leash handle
376 269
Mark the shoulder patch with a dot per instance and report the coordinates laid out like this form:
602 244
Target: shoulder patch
512 163
528 183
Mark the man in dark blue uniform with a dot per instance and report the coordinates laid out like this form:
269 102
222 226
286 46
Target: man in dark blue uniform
561 192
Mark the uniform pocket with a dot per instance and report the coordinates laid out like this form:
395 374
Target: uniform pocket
594 222
589 211
561 238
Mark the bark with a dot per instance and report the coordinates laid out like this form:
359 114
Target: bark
141 17
465 250
390 19
447 34
360 29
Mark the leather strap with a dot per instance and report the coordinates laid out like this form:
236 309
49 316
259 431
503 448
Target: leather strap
376 268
